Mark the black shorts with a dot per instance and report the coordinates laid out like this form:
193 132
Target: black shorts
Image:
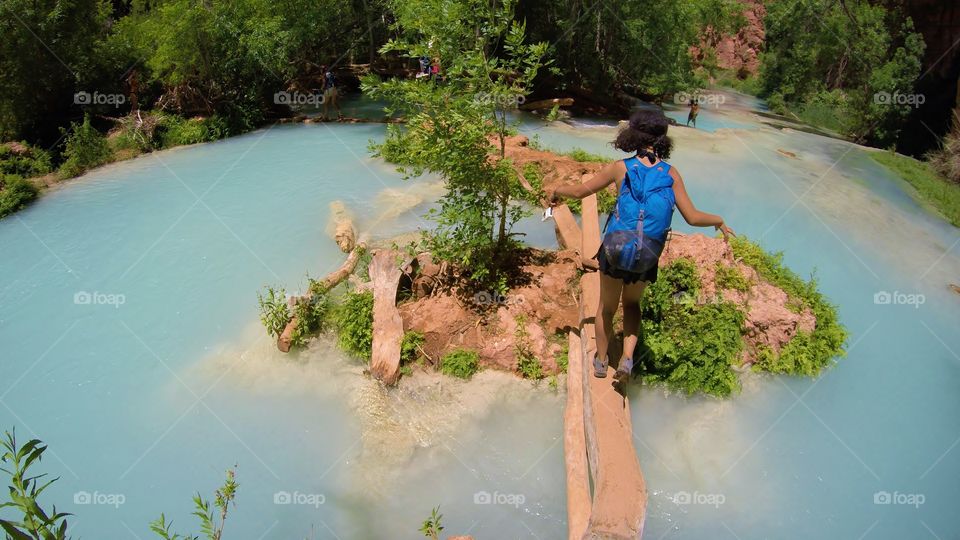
627 277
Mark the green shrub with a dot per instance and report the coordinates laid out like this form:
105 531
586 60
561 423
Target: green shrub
693 348
34 162
730 277
606 202
807 353
353 320
311 316
931 187
579 154
176 131
85 149
460 363
15 193
527 363
688 346
410 346
274 312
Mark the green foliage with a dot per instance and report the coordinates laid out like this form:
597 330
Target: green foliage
311 315
212 518
25 488
460 363
931 187
49 51
33 162
274 312
730 277
450 125
175 131
688 346
362 269
830 61
411 346
579 154
353 320
693 348
15 193
642 47
85 149
527 363
432 527
807 353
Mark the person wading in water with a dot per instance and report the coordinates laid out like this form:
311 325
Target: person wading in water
648 188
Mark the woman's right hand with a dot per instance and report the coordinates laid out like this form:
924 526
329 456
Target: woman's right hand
550 197
726 231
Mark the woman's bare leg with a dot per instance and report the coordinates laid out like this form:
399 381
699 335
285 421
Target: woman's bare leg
632 294
609 299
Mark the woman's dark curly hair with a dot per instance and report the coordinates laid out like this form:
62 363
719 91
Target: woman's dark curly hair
647 129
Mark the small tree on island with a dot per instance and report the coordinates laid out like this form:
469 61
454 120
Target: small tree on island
457 126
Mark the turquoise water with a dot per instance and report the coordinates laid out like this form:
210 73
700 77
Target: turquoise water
153 398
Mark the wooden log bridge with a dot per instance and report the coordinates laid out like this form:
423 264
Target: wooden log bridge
598 435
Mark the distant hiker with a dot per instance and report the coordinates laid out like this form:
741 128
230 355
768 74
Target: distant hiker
435 69
331 95
648 188
424 67
694 111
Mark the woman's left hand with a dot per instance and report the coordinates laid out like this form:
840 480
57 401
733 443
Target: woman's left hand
550 197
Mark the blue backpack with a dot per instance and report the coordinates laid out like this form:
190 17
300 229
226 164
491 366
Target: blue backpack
636 231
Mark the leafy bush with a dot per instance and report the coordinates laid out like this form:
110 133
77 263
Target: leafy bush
274 312
931 187
25 489
807 353
353 320
730 277
527 363
176 131
946 159
33 162
606 202
311 316
689 347
15 193
460 363
410 346
579 154
85 149
212 518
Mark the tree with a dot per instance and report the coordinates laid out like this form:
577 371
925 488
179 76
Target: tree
457 126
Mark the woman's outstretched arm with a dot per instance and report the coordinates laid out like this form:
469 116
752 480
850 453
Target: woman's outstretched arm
603 178
689 211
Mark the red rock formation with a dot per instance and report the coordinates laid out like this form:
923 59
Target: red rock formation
741 51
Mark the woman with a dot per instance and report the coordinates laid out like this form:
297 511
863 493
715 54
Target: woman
643 182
